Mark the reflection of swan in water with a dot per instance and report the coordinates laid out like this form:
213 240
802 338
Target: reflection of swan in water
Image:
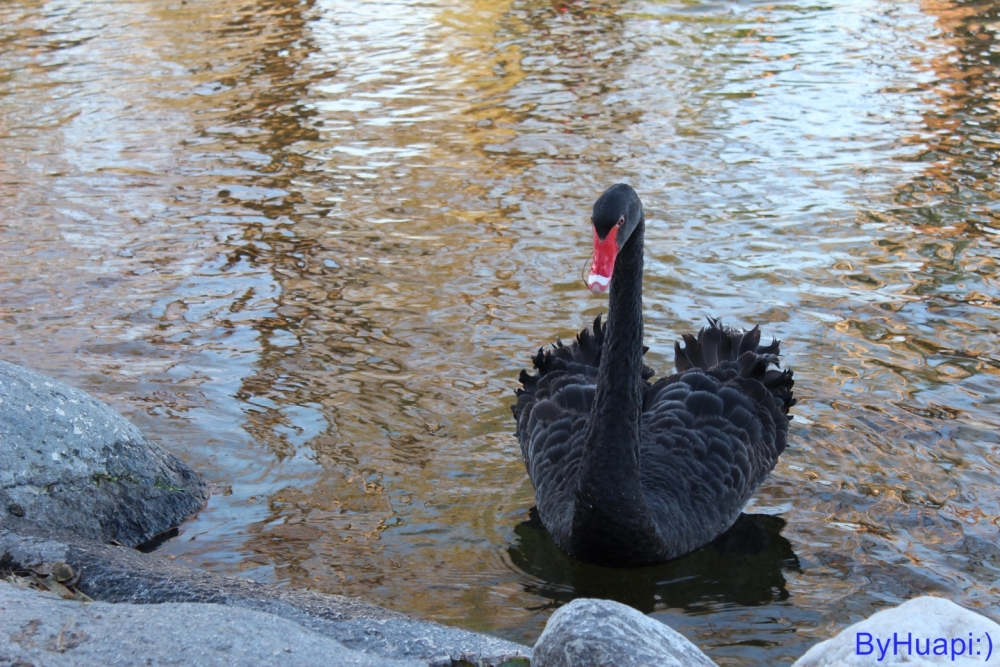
742 566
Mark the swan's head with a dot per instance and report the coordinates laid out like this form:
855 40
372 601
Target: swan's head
616 215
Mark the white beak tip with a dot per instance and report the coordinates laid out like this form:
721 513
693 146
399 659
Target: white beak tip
597 283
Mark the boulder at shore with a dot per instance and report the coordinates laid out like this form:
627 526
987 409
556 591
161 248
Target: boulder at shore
601 633
117 574
921 632
45 630
70 463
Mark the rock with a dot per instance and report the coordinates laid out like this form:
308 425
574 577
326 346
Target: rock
71 463
39 628
74 475
117 574
602 633
922 620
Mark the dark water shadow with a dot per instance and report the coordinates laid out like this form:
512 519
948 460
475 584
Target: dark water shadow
158 540
743 566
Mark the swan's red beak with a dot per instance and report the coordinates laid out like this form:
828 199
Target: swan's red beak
604 261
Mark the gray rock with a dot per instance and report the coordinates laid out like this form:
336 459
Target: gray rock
882 638
71 463
117 574
38 628
602 633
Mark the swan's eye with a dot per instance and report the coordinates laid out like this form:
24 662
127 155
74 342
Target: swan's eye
621 221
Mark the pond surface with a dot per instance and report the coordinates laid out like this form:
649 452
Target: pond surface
308 245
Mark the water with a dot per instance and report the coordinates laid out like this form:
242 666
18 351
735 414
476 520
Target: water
308 245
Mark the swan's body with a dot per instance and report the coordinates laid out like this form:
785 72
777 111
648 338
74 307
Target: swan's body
632 473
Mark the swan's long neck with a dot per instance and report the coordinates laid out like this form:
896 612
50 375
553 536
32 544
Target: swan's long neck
614 419
610 505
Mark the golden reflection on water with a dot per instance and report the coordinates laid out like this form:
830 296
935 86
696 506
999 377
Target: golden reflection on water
308 245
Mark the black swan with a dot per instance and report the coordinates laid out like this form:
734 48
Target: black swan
630 473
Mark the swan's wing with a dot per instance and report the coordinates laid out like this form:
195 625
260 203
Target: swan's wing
551 426
581 357
552 412
730 353
706 447
712 433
